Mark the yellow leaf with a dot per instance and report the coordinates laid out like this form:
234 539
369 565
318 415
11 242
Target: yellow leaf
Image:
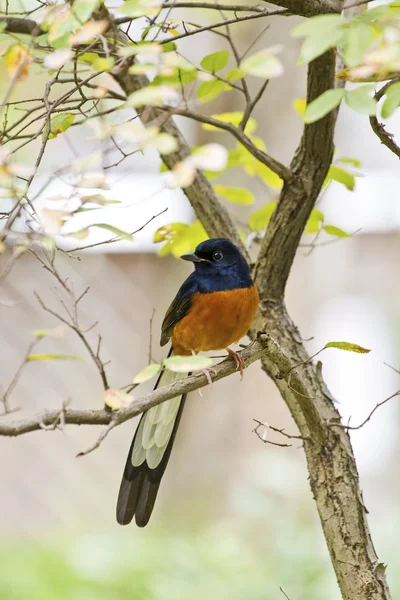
18 60
299 105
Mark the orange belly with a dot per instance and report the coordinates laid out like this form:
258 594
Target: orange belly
216 320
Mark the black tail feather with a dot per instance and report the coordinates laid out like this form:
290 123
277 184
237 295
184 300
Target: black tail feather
139 485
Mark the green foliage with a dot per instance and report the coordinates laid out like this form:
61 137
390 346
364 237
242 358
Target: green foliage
147 373
315 221
83 9
235 195
260 218
180 238
209 90
336 231
184 364
341 176
263 64
232 117
323 105
59 124
350 347
235 74
392 100
360 100
216 61
118 232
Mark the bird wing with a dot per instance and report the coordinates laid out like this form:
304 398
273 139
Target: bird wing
179 308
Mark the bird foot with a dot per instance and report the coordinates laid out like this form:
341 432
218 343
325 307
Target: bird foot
207 373
239 361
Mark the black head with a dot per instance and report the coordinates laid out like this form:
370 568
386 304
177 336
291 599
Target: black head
220 265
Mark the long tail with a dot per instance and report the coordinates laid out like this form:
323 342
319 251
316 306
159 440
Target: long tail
148 456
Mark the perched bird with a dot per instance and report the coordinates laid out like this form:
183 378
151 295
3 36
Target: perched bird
213 309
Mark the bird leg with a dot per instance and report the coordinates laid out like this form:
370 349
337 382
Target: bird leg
239 361
207 373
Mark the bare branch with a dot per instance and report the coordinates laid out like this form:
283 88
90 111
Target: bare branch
117 237
258 15
378 405
73 316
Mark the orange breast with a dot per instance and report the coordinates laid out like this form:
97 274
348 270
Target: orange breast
216 320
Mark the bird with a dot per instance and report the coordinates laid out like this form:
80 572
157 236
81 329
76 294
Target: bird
214 308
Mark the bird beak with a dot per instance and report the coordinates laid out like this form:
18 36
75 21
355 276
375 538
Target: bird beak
194 258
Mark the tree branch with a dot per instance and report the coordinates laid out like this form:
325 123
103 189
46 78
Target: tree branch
224 23
262 345
333 472
214 217
280 169
309 168
309 8
19 25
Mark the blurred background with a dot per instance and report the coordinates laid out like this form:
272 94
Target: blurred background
235 517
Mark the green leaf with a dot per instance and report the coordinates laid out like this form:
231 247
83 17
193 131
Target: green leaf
234 118
83 9
209 90
263 64
140 8
360 100
235 74
392 100
314 222
341 176
122 234
147 373
79 235
59 124
103 64
216 61
184 364
332 230
318 44
357 40
314 25
180 238
347 346
261 217
33 357
98 199
322 105
236 195
169 47
351 161
177 79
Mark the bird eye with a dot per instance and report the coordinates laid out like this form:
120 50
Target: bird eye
217 255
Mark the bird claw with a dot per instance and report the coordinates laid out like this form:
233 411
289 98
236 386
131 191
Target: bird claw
207 373
239 361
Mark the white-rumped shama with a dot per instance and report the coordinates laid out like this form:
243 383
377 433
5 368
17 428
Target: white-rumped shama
213 309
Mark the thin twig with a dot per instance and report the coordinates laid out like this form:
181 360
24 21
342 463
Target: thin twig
378 405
